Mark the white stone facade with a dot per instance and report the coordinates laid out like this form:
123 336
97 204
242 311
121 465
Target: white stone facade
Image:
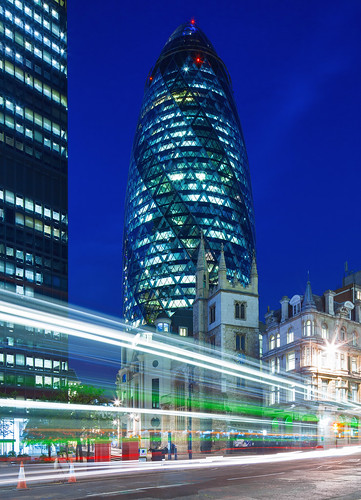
318 340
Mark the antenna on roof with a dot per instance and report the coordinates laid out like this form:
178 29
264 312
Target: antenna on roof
346 268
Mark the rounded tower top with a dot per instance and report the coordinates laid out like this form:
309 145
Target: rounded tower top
188 35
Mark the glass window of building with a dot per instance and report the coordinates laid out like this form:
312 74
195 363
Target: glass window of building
278 340
354 364
324 331
193 122
290 361
307 328
272 342
343 334
324 388
240 342
212 314
354 392
354 338
290 336
273 365
183 331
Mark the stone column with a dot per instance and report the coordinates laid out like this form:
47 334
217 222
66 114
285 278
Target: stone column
329 303
284 308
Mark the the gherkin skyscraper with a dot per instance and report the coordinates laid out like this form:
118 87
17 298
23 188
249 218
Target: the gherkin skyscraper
188 174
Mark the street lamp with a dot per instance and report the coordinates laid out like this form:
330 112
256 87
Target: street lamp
117 402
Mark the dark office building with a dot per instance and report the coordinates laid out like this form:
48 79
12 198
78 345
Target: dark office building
33 180
188 174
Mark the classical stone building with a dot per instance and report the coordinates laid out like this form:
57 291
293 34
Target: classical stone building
317 339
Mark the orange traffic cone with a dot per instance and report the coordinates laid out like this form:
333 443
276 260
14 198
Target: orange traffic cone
72 478
21 479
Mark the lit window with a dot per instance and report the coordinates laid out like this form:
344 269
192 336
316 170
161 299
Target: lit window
354 364
307 328
10 360
47 364
290 361
278 340
20 359
290 336
272 342
38 363
183 331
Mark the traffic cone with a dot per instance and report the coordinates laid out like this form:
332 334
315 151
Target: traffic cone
21 479
72 478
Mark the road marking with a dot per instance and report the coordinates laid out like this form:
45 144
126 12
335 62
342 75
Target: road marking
135 489
260 475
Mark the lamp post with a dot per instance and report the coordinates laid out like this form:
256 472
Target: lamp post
117 403
190 389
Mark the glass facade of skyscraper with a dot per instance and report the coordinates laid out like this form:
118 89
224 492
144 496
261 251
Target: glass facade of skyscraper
33 177
189 174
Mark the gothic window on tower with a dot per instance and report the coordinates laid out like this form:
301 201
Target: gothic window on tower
240 310
240 342
183 331
212 314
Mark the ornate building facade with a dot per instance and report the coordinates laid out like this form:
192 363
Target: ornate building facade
317 339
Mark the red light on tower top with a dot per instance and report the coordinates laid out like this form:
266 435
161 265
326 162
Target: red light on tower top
193 21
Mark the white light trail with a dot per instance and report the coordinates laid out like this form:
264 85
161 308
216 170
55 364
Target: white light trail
50 406
110 468
25 316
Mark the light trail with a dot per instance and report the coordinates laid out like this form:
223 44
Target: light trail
106 469
24 316
117 334
49 406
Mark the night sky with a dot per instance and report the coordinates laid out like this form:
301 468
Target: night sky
296 73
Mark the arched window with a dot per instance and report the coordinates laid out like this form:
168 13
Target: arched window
236 310
290 336
324 331
278 340
243 311
307 328
240 310
272 342
240 342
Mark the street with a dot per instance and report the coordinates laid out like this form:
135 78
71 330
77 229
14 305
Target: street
314 475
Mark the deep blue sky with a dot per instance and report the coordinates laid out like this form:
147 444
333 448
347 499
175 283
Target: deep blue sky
295 67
